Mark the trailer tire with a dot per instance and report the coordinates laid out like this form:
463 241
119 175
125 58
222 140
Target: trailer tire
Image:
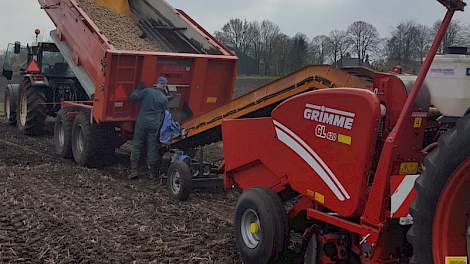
10 104
260 226
440 165
180 182
63 128
32 109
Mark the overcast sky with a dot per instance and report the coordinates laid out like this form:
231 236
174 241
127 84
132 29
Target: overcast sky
19 18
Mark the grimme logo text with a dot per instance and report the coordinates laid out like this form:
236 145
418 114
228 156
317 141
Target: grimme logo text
329 116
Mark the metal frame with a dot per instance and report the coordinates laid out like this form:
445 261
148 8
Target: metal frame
374 218
204 178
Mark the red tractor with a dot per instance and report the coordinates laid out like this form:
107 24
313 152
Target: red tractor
344 162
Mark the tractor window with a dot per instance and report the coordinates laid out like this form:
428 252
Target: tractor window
15 62
54 64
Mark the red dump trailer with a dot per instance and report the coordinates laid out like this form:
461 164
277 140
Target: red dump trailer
200 70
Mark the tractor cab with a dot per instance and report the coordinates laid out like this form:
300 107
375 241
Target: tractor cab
40 80
44 58
15 59
50 61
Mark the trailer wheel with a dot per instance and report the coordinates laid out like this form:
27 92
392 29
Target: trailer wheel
442 207
63 132
261 228
32 110
83 148
10 103
180 182
93 144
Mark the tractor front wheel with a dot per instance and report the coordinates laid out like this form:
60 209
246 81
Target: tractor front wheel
32 109
261 228
10 103
440 233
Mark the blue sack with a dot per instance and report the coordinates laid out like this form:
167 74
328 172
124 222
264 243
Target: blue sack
170 129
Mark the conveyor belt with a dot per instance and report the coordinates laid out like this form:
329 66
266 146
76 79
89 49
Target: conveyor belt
206 129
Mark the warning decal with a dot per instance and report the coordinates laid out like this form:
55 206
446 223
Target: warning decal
456 260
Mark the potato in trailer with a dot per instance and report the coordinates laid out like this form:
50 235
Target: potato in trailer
345 161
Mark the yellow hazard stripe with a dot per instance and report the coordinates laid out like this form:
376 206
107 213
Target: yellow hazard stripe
456 260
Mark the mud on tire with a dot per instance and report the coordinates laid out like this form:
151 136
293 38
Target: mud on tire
180 182
63 132
453 149
91 143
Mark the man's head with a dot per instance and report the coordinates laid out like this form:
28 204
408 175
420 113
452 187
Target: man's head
161 83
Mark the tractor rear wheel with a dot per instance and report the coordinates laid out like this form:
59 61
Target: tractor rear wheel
261 226
10 102
442 208
63 132
32 109
179 181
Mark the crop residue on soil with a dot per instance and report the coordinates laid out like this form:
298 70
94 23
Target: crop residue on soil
52 211
122 31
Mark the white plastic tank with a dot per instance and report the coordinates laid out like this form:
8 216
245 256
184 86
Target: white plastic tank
449 83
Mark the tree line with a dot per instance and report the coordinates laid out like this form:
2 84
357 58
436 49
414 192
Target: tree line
265 50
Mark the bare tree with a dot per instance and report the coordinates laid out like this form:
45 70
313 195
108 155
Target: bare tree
269 35
423 40
298 51
256 49
408 45
280 63
454 35
365 38
237 34
400 47
318 49
338 45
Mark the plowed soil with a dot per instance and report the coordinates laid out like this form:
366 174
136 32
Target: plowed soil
52 211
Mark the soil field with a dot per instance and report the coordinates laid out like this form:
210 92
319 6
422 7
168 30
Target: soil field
52 211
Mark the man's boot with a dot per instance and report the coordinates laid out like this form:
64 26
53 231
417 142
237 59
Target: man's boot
134 170
153 172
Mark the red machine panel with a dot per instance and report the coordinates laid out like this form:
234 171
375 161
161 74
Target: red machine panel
329 140
251 164
320 143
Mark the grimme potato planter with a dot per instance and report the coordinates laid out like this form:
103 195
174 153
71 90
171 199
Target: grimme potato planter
345 162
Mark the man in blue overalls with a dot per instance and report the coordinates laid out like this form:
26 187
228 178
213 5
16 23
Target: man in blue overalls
146 133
